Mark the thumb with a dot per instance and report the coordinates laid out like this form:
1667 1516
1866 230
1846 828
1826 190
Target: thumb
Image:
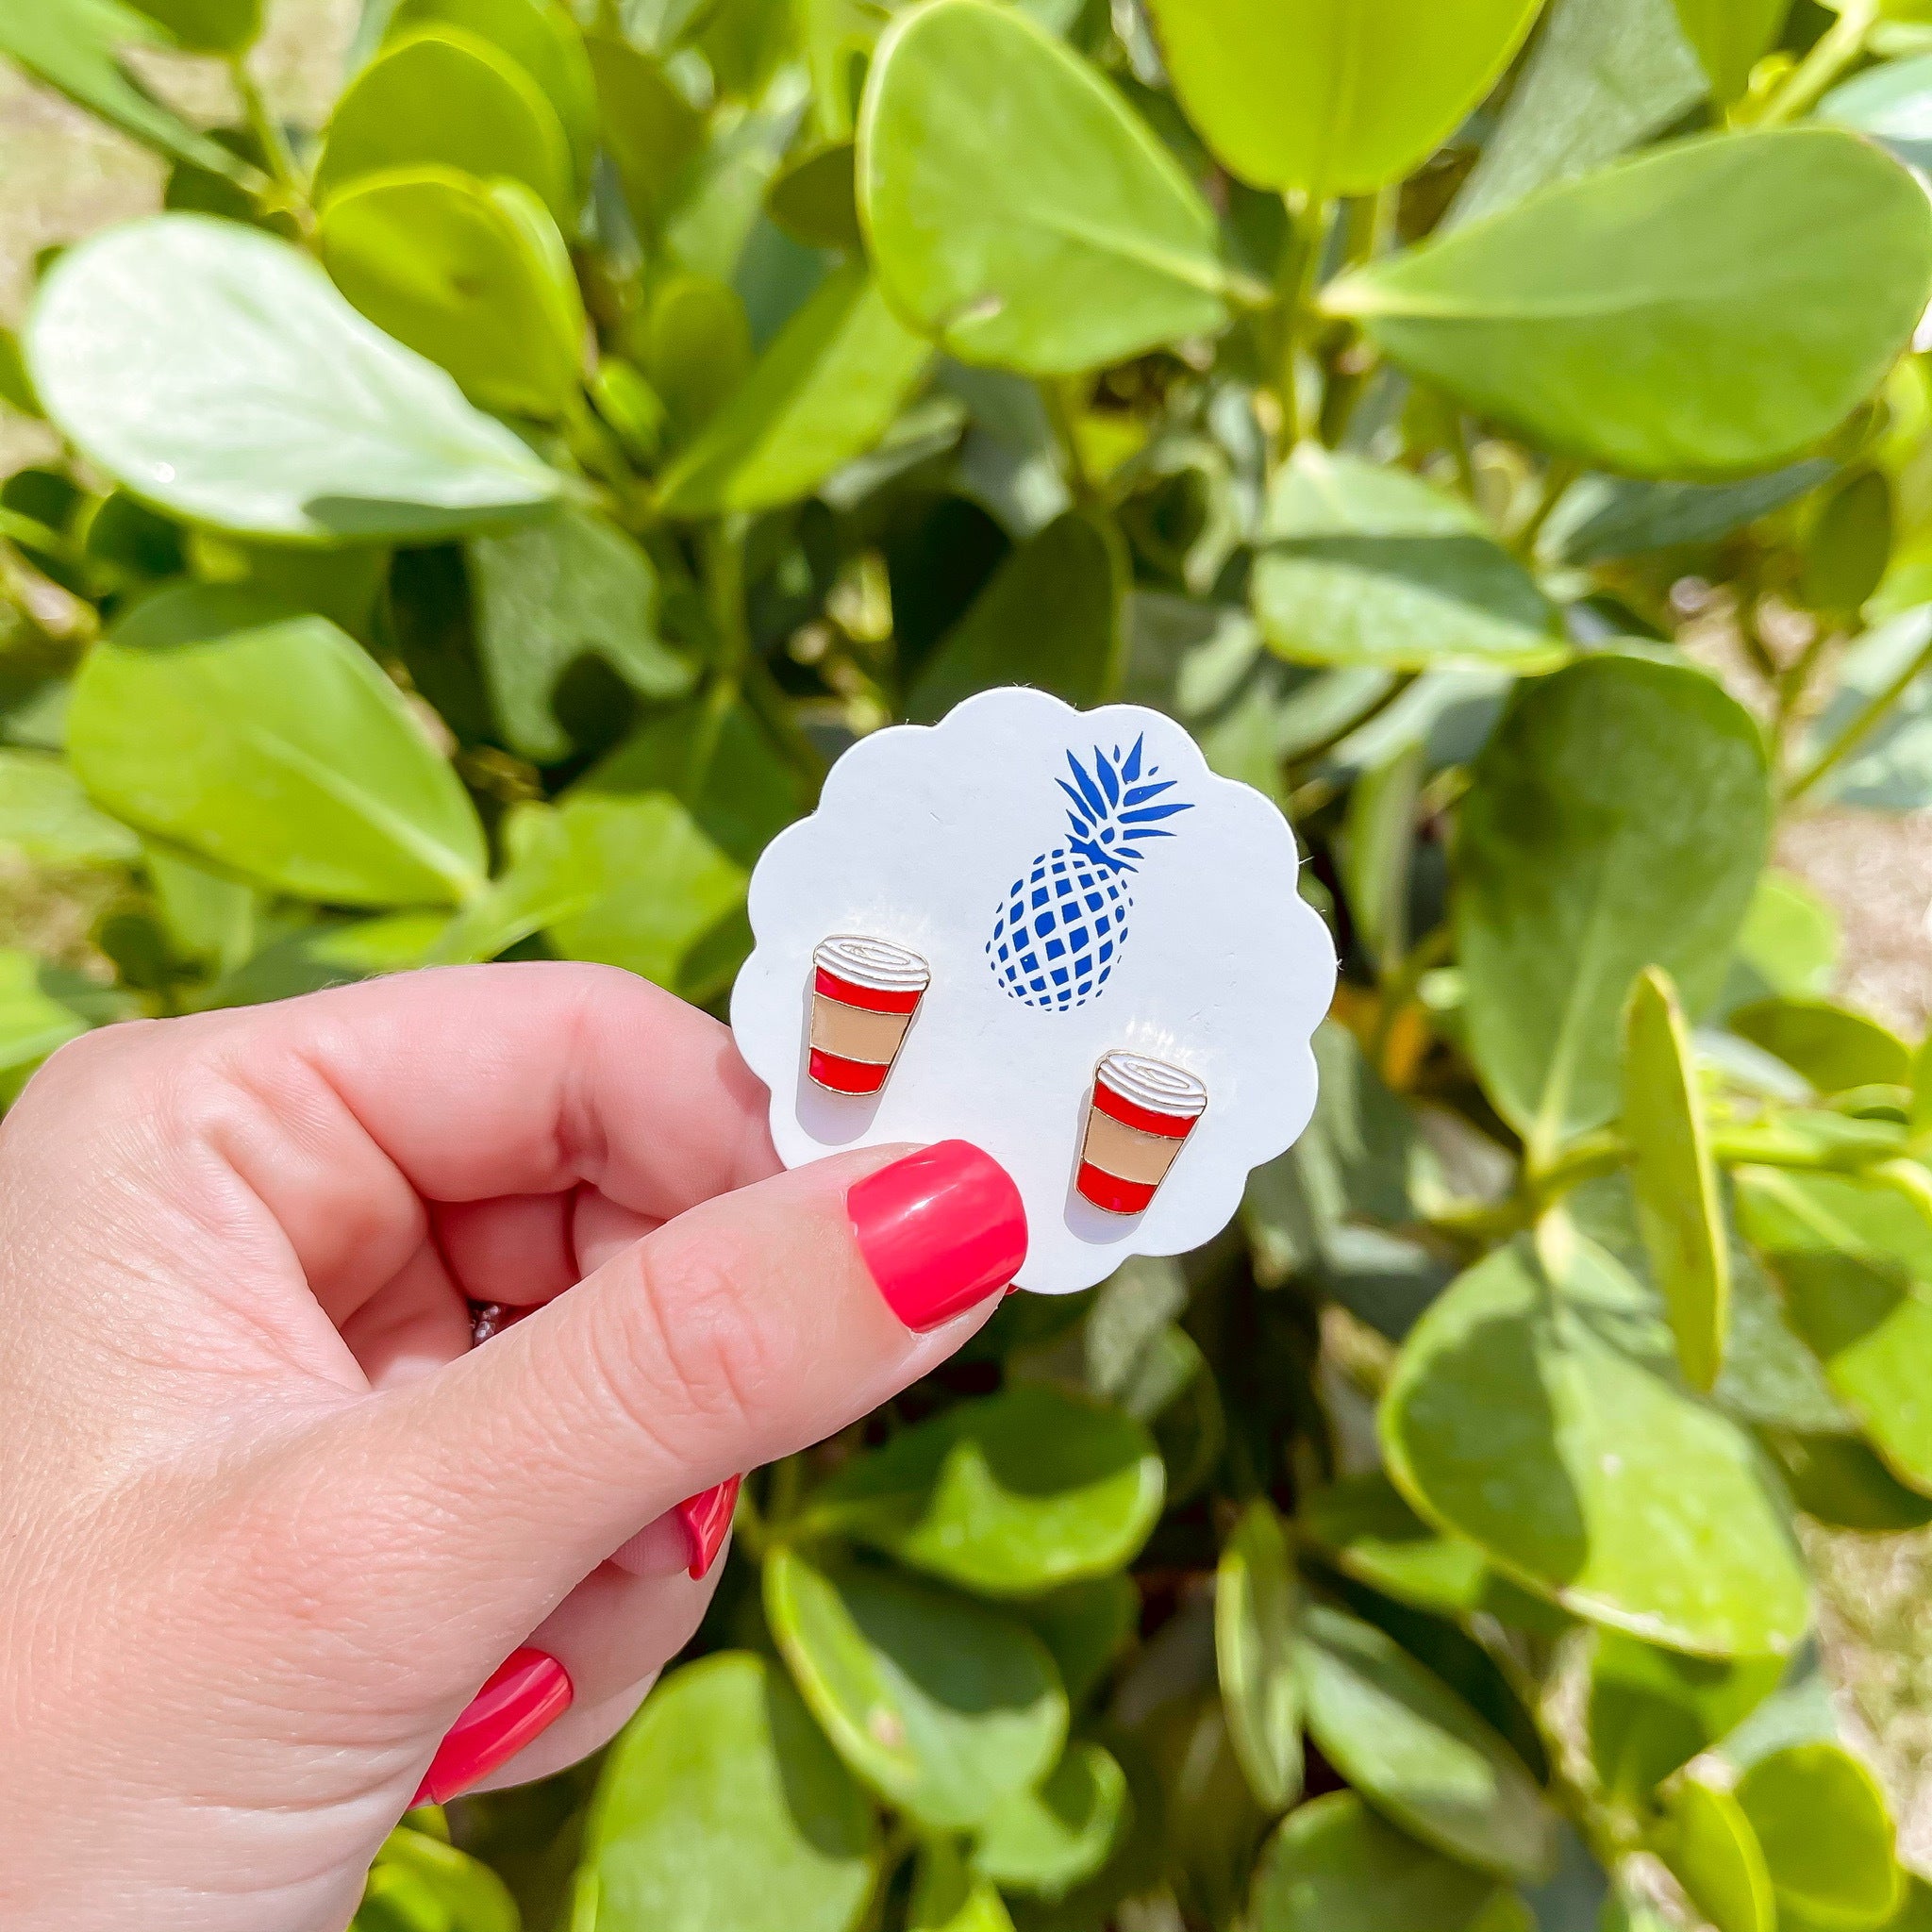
741 1331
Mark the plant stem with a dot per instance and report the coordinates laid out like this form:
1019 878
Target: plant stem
1053 399
1300 275
1867 715
272 139
1833 51
1558 477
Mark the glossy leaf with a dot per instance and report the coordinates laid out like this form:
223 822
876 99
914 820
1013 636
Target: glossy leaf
76 47
440 96
651 130
1787 269
1630 516
1333 96
1410 1743
474 277
824 392
1334 1866
421 1881
1855 1262
337 433
814 198
948 1897
1084 1626
1652 1710
1789 943
271 744
1362 1525
40 1010
1535 1419
209 26
1849 545
1678 1209
1602 77
1839 1481
1256 1616
1367 565
1046 1840
46 817
696 349
668 904
1833 1047
722 1804
1094 249
1571 881
1892 103
944 1707
1010 1495
540 38
1050 617
1827 1833
1716 1857
544 599
1729 35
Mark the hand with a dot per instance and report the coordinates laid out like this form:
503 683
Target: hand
267 1520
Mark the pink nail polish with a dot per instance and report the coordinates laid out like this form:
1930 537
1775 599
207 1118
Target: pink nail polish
941 1230
707 1520
527 1694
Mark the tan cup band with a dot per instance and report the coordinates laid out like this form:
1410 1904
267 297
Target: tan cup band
1125 1152
854 1034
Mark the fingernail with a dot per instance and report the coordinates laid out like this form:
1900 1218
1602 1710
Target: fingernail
941 1230
707 1520
529 1692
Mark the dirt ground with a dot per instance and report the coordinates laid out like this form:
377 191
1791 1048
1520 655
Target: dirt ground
62 175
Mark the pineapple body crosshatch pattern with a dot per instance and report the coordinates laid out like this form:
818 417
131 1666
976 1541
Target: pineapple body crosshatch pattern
1215 976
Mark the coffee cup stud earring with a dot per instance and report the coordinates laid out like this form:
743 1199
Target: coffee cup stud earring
1139 1115
865 996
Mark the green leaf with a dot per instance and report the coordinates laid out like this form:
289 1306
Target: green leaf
1833 1047
209 26
1789 943
1787 268
540 38
1084 1626
1890 765
1653 1710
1010 1495
1827 1833
946 1708
270 744
1628 516
814 197
442 97
722 1804
1334 96
1849 545
1729 36
76 47
138 345
1892 103
1366 565
1050 617
1411 1746
1678 1209
1710 1847
1046 1840
475 278
947 1897
695 349
1603 76
332 953
1379 851
46 817
424 1884
1334 1866
35 1018
824 392
1536 1418
1256 1616
208 919
650 129
543 598
668 903
1855 1262
1839 1480
1571 881
1089 248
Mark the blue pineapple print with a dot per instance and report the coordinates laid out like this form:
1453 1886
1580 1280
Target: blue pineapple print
1063 921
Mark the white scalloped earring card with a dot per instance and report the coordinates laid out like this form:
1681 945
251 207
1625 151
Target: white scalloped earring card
1055 934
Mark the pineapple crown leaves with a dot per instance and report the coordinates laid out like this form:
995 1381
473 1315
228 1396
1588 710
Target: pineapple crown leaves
1114 812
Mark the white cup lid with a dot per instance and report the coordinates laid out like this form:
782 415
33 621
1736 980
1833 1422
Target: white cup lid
876 963
1154 1084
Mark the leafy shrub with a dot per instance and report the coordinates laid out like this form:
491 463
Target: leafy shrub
1384 387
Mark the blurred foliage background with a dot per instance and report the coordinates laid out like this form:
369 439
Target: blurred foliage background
1497 431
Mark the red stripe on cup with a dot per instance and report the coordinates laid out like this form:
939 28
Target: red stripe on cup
870 999
1109 1192
847 1076
1170 1126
